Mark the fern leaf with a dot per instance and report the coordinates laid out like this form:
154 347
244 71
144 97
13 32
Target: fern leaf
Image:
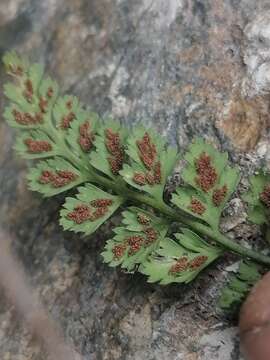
53 176
35 144
139 235
239 285
258 198
16 118
23 93
109 154
151 162
210 182
31 95
91 208
15 65
179 261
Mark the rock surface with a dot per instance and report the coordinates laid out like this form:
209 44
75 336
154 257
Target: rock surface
186 67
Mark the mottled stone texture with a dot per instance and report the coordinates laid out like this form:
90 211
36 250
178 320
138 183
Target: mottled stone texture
185 67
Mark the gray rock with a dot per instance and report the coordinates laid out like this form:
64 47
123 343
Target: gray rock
257 54
185 67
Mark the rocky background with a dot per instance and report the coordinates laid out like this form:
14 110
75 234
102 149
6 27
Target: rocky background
185 67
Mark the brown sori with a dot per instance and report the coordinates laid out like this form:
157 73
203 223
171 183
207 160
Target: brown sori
197 207
147 161
143 219
265 196
157 172
26 118
50 92
197 262
112 141
181 265
101 203
80 214
150 179
69 104
118 251
219 195
135 243
207 175
116 164
37 146
46 177
60 181
28 93
147 151
116 150
151 235
19 117
98 213
63 178
57 179
66 120
43 103
86 137
139 178
148 154
39 118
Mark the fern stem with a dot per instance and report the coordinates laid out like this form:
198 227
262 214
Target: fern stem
165 209
231 245
176 216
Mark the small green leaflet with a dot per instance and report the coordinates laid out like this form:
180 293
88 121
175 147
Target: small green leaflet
32 96
179 261
239 285
23 93
258 198
139 235
53 176
15 65
151 162
108 156
35 144
10 116
210 182
90 209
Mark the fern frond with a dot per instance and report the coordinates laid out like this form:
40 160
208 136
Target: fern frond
78 148
53 176
90 209
210 182
140 234
179 260
151 162
35 144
